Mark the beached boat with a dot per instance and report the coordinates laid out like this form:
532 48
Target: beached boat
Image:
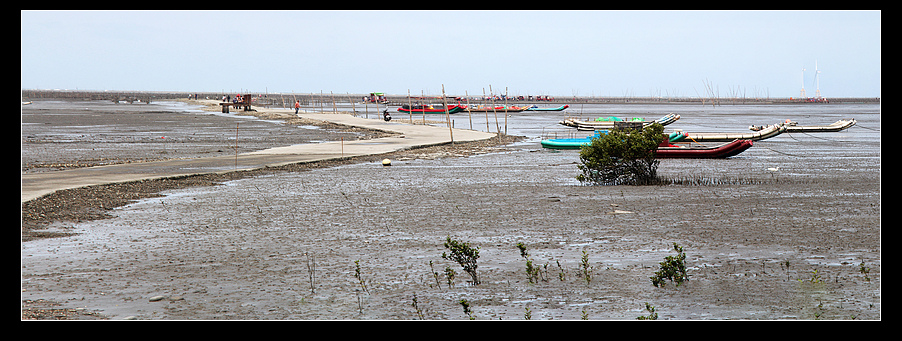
497 108
793 127
429 109
536 108
609 122
577 143
725 150
766 133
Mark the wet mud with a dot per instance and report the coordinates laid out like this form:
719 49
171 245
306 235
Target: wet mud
358 240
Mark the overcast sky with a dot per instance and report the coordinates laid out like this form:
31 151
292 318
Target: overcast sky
558 53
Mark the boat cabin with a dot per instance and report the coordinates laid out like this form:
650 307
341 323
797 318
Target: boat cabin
377 97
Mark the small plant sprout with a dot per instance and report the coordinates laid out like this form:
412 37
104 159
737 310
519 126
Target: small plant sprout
528 314
435 275
359 277
652 314
584 269
449 275
673 268
466 305
864 270
463 254
815 277
532 272
416 307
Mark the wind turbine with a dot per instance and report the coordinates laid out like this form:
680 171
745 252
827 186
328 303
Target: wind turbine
817 82
803 83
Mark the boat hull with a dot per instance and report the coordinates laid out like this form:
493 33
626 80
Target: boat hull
451 110
766 133
725 150
577 143
560 108
593 125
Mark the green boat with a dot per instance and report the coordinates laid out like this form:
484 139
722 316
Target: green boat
577 143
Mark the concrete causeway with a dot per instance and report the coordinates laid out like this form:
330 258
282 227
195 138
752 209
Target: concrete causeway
36 185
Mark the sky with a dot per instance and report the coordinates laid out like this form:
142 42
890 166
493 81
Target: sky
556 53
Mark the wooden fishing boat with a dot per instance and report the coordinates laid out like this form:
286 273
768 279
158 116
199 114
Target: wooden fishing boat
501 108
608 123
536 108
577 143
732 148
766 133
429 109
793 127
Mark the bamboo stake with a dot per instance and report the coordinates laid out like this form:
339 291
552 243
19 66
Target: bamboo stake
497 126
236 145
485 111
333 102
505 110
466 93
409 107
447 115
423 95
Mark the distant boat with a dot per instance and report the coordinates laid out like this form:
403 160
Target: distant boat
497 108
27 103
536 108
430 109
793 127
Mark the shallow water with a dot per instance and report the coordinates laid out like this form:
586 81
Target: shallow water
241 250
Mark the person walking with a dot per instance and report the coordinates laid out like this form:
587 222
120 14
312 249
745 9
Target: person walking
297 106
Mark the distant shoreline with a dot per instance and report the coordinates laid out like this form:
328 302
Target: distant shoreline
281 98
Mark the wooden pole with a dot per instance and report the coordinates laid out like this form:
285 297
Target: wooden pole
447 115
505 110
423 94
466 93
497 126
409 107
333 102
236 145
485 111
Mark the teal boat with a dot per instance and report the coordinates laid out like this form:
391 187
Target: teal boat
577 143
536 108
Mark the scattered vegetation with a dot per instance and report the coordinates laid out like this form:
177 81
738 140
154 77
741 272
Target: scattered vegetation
622 157
673 268
463 254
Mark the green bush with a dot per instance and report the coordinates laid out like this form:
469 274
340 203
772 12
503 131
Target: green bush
622 157
673 268
463 254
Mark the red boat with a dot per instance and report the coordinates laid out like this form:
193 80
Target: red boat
667 150
430 109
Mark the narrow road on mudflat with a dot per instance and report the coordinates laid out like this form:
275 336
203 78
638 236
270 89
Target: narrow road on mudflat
410 136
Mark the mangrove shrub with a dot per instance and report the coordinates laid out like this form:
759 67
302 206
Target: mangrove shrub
622 157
